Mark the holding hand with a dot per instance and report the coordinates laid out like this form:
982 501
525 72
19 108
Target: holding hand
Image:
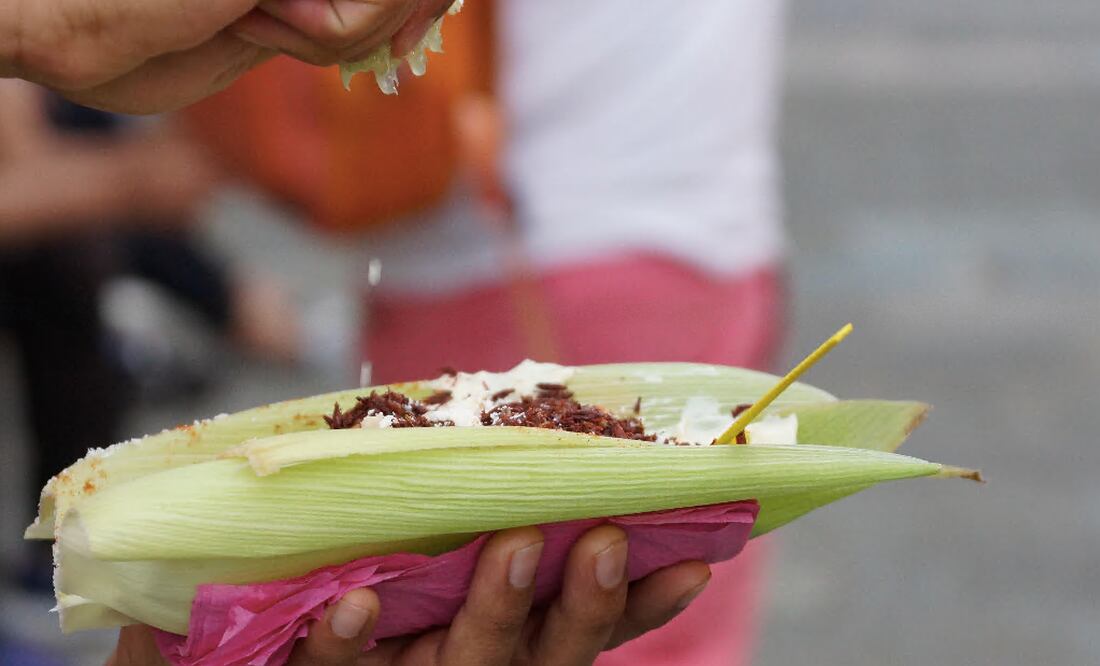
597 610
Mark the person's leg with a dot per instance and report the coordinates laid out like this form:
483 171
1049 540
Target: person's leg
637 308
416 337
653 309
647 308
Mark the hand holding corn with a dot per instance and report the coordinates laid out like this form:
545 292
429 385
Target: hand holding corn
282 502
147 56
596 611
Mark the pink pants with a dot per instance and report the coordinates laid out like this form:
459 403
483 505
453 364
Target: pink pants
636 308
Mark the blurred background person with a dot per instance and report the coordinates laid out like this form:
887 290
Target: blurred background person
582 198
86 199
632 216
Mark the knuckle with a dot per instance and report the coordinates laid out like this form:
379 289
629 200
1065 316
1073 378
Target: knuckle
314 653
508 624
599 620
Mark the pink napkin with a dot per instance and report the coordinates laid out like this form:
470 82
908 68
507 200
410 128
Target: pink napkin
257 625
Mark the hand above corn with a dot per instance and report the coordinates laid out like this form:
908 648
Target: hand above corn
147 56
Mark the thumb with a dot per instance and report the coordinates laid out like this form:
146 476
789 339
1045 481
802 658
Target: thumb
338 638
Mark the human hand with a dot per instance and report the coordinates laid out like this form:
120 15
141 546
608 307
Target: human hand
337 640
598 610
147 56
325 32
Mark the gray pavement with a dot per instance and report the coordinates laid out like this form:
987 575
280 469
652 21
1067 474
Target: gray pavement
941 180
941 164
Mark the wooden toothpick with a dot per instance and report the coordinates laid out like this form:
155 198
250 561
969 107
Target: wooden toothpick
747 417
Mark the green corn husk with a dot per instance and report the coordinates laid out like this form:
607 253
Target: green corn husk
270 493
664 388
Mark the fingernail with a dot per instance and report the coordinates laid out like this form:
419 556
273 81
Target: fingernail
686 600
525 562
349 619
611 565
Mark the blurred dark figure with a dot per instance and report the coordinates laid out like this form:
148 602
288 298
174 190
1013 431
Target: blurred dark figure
84 199
67 182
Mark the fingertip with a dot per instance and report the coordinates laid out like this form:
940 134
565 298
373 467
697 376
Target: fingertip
696 576
610 565
365 598
514 539
599 539
698 569
355 614
362 596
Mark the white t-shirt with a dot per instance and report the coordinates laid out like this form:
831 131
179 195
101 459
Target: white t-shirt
633 126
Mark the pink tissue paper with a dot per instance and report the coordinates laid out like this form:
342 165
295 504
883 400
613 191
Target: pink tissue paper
257 625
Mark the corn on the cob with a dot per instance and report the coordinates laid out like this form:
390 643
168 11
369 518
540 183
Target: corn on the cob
270 493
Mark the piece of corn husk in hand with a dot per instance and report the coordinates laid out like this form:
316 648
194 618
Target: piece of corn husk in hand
385 65
270 493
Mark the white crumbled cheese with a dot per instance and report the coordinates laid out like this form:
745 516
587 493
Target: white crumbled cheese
377 421
703 420
471 392
773 430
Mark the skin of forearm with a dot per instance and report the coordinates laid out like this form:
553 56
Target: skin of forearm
74 186
44 196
